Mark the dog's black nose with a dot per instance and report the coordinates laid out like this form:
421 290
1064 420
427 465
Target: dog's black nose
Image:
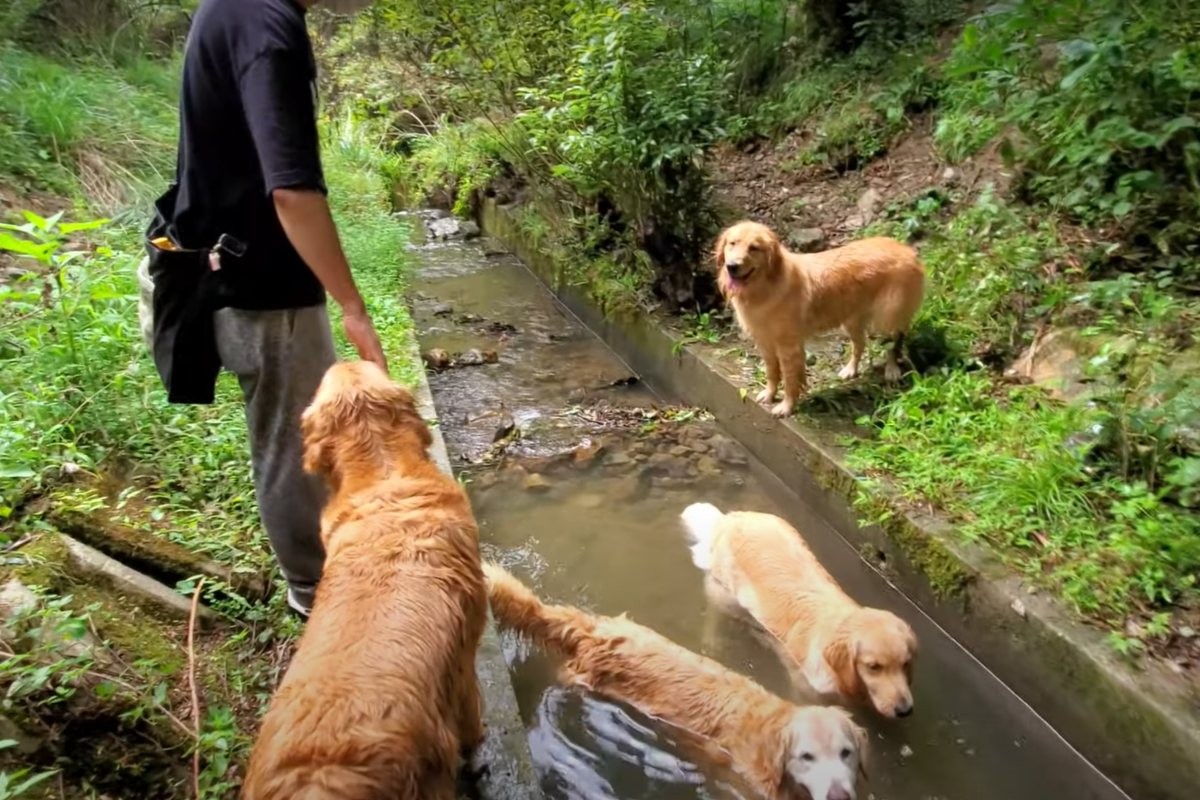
904 709
733 267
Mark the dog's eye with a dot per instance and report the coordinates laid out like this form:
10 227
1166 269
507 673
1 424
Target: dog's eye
753 248
808 757
874 667
846 753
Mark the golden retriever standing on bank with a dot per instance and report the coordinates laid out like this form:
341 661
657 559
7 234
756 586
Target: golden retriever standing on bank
783 298
381 696
843 650
787 751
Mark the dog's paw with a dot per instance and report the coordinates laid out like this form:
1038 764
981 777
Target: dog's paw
782 409
765 397
891 372
849 372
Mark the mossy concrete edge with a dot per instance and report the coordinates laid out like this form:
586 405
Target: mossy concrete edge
507 771
1141 726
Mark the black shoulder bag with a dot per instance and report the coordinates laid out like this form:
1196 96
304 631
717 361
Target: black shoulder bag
186 294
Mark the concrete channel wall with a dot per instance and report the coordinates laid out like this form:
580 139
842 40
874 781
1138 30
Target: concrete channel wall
1140 725
504 758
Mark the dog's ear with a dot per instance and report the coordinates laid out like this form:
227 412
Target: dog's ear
774 252
318 424
719 250
863 742
840 657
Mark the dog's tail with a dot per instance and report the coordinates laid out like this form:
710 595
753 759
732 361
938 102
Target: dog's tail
560 629
701 521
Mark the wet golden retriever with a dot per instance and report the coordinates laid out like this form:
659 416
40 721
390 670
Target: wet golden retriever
382 695
783 298
787 751
844 651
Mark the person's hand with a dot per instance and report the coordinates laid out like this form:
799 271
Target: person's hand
361 333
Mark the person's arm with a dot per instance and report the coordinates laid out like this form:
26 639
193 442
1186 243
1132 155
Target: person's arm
279 110
307 222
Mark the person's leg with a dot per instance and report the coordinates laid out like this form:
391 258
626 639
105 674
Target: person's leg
279 358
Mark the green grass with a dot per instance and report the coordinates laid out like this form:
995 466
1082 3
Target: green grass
1094 499
97 131
1012 467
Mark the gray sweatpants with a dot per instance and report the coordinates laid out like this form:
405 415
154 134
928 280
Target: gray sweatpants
279 358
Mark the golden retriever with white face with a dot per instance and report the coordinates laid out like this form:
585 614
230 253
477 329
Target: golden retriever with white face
381 696
844 651
787 751
783 298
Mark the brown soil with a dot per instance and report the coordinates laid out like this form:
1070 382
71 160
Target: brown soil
759 181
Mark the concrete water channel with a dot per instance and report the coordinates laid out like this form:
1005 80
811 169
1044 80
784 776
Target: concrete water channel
582 497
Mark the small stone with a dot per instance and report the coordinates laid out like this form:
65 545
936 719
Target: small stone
69 468
868 203
627 489
806 240
1018 607
469 319
1187 632
699 447
905 751
443 309
618 460
661 459
585 455
444 227
679 451
728 451
471 358
536 482
467 229
854 222
505 427
589 501
490 356
487 480
950 175
707 465
436 359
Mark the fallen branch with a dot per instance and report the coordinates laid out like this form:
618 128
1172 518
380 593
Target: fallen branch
191 654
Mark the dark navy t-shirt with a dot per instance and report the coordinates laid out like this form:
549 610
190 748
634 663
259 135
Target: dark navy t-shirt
248 126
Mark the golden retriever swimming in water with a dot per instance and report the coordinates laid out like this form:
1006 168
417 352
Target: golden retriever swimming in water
789 752
844 651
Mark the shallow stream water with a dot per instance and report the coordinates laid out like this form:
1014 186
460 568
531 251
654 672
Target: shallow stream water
582 499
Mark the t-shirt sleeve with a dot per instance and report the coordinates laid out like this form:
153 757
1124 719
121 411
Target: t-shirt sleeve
279 106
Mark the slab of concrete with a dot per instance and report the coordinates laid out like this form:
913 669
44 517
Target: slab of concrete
503 761
90 562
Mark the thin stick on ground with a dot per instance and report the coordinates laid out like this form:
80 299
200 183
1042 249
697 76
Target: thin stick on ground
191 654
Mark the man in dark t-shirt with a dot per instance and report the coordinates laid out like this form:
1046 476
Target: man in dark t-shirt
249 167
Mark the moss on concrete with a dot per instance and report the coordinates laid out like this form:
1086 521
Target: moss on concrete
138 635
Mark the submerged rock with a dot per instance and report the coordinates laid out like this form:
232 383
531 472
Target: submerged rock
436 359
536 482
476 358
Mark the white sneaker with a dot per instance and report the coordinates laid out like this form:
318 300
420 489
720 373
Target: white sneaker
295 604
